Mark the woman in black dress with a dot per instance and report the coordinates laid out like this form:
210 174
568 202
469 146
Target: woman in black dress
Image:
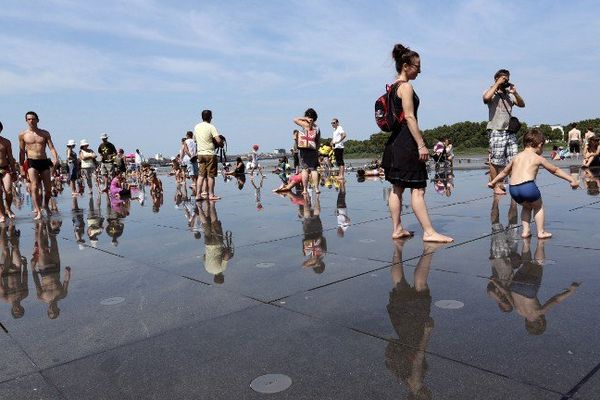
405 151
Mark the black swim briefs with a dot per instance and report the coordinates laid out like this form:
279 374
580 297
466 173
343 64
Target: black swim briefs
40 165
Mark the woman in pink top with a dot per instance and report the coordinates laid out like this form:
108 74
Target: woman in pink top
117 187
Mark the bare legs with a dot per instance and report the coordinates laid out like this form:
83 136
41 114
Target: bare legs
420 209
395 203
538 215
494 171
314 180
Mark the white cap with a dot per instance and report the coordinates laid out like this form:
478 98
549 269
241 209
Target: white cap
104 136
83 142
71 142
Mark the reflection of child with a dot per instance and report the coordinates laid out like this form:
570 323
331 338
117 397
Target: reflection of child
522 292
523 170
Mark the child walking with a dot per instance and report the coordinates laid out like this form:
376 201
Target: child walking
523 170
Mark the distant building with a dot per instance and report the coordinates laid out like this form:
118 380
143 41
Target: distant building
279 152
159 157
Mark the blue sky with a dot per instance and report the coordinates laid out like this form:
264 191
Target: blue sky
143 70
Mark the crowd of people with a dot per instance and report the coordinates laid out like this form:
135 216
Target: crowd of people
107 170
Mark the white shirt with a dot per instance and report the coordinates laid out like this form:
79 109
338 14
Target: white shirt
138 158
337 136
191 145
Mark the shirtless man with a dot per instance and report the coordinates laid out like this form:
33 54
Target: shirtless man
33 142
7 170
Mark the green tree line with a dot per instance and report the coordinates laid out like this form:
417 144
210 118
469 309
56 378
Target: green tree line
464 135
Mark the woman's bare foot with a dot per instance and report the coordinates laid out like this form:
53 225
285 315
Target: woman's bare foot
402 233
10 214
2 218
37 216
437 237
526 233
544 235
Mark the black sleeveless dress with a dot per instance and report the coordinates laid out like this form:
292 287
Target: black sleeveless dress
400 156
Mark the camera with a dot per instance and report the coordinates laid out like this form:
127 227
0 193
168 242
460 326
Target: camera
505 85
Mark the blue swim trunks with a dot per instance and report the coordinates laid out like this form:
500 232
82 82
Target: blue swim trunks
526 191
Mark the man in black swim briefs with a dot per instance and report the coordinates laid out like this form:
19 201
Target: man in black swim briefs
32 143
7 168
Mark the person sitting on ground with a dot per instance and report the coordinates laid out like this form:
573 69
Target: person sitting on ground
554 153
563 153
239 169
591 157
118 186
294 181
523 170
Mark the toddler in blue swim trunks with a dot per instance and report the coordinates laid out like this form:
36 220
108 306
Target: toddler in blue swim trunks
523 170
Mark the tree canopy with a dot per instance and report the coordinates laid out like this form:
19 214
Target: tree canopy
464 135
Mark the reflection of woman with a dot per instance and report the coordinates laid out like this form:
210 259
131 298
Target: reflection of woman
314 244
45 263
13 272
409 309
405 152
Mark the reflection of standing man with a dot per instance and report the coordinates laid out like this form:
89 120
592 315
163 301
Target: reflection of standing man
500 98
339 135
574 140
45 263
216 254
14 286
32 143
343 221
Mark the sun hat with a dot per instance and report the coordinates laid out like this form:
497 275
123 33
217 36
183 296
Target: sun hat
83 142
71 142
104 136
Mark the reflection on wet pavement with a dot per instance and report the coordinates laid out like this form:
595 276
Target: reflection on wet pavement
94 294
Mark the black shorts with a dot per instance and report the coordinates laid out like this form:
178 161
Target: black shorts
574 146
339 156
40 165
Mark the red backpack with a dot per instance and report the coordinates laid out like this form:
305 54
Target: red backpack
386 116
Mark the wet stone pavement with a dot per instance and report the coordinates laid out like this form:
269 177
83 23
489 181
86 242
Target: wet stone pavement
156 301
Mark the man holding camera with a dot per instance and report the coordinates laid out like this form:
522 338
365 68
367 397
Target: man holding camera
500 98
206 137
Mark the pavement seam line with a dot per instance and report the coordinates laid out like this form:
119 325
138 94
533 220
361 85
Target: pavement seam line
582 382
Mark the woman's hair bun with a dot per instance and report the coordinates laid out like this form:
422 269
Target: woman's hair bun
398 51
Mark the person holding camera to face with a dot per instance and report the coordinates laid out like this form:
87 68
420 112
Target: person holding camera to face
500 98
